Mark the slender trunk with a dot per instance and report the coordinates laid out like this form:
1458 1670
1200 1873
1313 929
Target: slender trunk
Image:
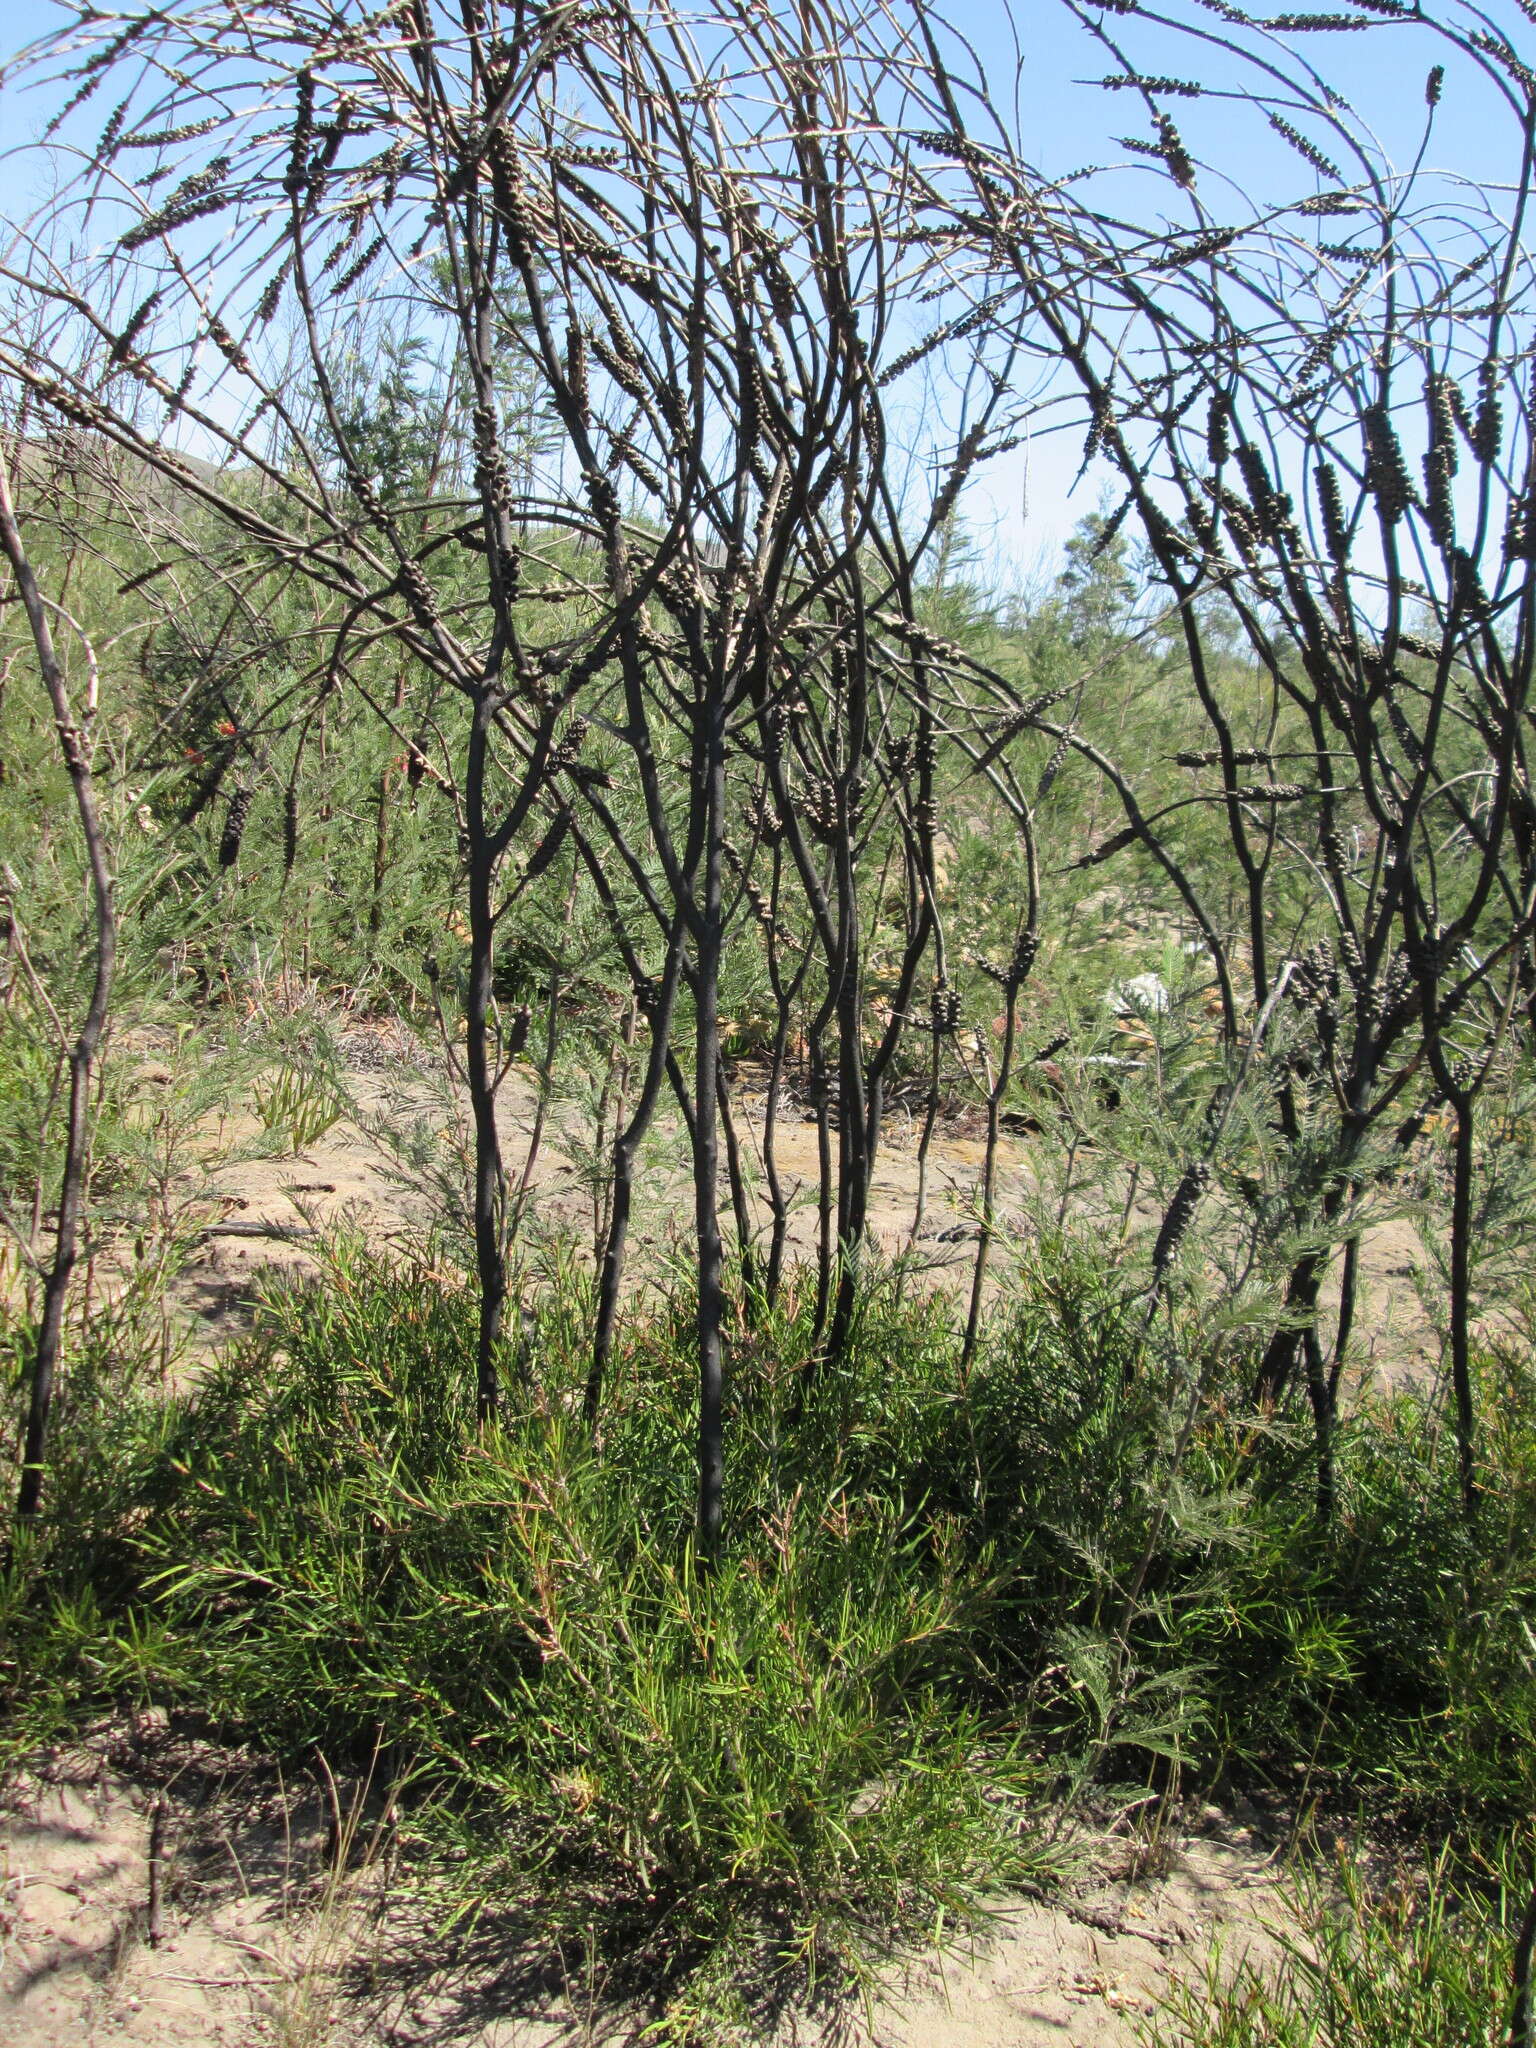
625 1150
621 1203
824 1218
1278 1364
82 1057
505 1049
1133 1182
381 825
1521 2032
1321 1399
706 1148
735 1171
925 1142
995 1096
778 1199
854 1159
778 1205
480 1065
656 1004
1065 1198
1349 1295
614 1102
518 1206
1461 1305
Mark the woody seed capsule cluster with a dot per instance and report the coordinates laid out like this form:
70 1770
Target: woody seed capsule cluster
1386 472
1181 1213
234 827
1053 768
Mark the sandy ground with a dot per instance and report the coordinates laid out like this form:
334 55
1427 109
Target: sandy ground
355 1176
253 1938
256 1939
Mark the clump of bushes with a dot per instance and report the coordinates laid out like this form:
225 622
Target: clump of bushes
943 1593
1374 1961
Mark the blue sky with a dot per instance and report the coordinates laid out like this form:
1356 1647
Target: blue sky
1034 55
1382 72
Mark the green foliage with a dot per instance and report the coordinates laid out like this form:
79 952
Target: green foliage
1426 1958
32 1083
73 1628
1083 1560
935 1588
392 432
296 1106
788 1749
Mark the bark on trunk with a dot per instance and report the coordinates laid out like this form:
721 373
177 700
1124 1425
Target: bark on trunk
82 1056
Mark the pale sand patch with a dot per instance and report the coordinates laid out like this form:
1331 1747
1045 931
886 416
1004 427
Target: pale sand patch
258 1949
262 1211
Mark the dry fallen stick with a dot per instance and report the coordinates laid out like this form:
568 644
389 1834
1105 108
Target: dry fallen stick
219 1983
287 1233
156 1869
1101 1922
